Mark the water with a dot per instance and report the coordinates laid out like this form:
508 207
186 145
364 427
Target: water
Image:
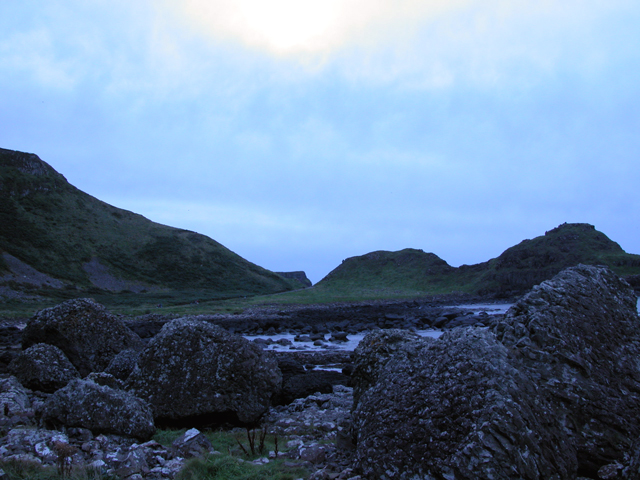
354 339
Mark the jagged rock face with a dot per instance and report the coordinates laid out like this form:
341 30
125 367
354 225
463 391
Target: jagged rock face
43 367
553 391
193 371
578 337
101 409
456 408
89 336
372 354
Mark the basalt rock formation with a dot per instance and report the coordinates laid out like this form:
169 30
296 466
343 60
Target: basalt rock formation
84 330
552 391
195 372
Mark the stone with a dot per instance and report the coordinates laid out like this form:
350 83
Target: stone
101 409
578 337
84 330
191 443
14 398
43 367
551 391
372 354
195 372
456 408
303 385
123 364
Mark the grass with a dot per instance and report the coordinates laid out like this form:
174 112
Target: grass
232 463
226 468
56 228
29 470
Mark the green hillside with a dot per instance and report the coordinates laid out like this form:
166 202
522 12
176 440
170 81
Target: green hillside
408 270
58 230
518 269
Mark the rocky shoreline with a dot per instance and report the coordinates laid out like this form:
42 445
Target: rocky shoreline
551 389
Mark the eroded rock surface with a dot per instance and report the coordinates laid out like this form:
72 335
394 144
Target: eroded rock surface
552 391
84 330
101 409
193 371
43 367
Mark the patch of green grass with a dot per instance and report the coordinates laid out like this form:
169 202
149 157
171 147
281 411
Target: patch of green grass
232 463
29 470
220 467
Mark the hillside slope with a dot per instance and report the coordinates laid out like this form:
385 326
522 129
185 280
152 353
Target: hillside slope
75 240
514 272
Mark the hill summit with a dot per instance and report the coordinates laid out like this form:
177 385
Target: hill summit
54 236
514 272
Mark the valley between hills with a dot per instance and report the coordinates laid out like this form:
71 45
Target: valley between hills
58 243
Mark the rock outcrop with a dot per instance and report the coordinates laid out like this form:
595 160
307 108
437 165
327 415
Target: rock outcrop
578 337
101 409
43 367
553 391
84 330
196 372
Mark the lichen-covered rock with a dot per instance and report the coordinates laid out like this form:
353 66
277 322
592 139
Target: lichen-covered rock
196 371
123 364
578 337
101 409
84 330
456 408
43 367
372 354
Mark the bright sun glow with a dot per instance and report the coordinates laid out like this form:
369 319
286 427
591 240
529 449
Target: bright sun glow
292 27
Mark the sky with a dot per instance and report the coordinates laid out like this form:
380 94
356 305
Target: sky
299 133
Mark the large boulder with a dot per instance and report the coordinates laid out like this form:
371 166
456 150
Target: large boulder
84 330
196 372
43 367
578 337
552 391
456 408
372 354
101 409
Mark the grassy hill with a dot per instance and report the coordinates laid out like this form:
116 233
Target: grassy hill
414 272
80 242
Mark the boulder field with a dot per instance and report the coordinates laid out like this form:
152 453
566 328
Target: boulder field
551 390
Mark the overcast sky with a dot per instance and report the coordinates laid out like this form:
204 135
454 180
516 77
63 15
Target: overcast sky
298 133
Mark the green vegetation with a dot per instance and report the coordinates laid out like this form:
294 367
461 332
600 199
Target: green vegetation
221 467
232 462
59 230
29 470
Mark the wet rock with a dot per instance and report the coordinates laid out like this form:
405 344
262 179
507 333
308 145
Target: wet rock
85 404
89 336
43 367
195 372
